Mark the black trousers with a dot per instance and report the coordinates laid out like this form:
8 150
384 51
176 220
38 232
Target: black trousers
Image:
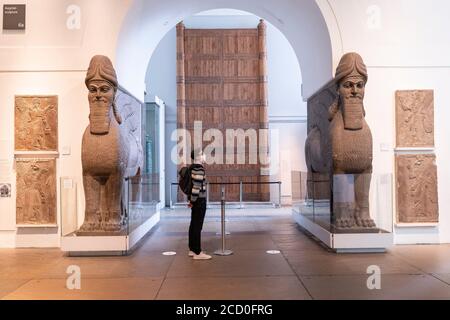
195 229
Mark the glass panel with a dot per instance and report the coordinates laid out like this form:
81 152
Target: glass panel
360 203
143 199
151 138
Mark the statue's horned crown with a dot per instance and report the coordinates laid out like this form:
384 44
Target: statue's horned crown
351 64
101 69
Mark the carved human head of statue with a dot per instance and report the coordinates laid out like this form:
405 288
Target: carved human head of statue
351 78
101 81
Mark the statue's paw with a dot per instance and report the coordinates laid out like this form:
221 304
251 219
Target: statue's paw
345 223
339 223
350 223
90 226
365 223
370 223
114 226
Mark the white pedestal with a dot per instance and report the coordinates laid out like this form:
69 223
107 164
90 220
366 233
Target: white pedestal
107 245
346 243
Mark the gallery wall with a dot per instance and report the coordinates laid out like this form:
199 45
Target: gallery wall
405 44
406 47
287 110
51 58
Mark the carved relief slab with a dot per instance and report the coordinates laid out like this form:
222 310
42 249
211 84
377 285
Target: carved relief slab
36 191
415 118
36 123
417 194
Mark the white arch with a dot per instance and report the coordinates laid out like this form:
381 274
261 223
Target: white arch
147 22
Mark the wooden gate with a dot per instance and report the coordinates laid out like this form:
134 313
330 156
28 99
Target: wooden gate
222 82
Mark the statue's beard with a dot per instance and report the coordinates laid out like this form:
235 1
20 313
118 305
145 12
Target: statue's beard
100 118
353 113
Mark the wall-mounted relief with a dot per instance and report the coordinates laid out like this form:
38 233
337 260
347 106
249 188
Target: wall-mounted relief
417 194
415 118
416 171
36 123
36 191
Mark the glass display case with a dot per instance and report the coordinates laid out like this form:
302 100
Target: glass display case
140 214
153 142
349 213
143 200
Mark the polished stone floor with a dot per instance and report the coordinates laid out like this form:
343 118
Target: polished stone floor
303 270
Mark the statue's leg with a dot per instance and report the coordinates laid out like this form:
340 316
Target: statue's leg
113 221
343 204
92 212
362 189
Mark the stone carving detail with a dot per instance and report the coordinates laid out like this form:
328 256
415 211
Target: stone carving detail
340 141
417 199
36 192
415 118
318 143
36 123
111 149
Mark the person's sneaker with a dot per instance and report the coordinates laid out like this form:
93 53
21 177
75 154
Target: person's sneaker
202 256
191 254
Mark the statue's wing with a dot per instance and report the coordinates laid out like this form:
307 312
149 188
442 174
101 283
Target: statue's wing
319 125
130 110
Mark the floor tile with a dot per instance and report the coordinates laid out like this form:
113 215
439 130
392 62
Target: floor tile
242 263
393 287
254 288
326 263
91 289
10 285
242 241
429 258
297 242
139 264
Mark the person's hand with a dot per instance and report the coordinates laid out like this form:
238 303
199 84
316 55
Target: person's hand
190 205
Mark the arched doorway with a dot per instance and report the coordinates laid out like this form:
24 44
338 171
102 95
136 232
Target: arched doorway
148 21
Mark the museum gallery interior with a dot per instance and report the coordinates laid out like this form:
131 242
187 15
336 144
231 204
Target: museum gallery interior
321 123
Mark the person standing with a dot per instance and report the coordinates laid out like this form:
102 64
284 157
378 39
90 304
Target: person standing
197 203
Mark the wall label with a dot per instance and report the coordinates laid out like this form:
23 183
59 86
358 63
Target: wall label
14 16
5 190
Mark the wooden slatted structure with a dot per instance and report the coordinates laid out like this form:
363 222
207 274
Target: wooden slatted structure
222 82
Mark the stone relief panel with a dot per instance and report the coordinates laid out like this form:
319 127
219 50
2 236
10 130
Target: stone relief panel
417 193
415 118
36 123
36 191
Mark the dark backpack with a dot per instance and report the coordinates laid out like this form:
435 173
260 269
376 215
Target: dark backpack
185 180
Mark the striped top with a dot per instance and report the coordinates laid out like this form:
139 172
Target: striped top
198 176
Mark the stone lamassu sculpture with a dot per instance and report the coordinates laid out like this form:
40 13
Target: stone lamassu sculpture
110 152
345 146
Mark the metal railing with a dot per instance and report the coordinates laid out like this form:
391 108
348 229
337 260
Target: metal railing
241 204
